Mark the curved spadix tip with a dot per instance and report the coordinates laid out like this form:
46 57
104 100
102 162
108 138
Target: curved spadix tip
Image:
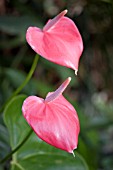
76 71
58 92
69 79
65 11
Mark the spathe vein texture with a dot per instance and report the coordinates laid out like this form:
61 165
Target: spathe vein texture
59 41
54 119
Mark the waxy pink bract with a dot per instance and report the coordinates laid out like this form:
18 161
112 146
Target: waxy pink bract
54 119
59 41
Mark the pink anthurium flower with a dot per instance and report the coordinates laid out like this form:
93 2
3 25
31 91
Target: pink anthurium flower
59 41
54 119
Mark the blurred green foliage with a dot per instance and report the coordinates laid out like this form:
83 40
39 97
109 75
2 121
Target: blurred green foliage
91 92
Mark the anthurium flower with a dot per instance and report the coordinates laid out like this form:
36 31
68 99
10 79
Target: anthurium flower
59 41
54 119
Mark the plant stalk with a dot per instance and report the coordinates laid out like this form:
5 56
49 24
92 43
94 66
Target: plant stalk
19 89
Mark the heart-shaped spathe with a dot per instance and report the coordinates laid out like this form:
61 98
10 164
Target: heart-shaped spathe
54 119
59 41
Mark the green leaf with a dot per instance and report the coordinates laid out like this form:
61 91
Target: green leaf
4 139
4 143
15 122
35 154
49 161
15 25
1 168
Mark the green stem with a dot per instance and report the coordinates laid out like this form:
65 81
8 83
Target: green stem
19 146
18 90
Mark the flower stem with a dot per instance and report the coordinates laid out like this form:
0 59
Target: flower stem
19 146
18 90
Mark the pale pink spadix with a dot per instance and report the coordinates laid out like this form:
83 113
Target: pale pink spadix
59 41
54 119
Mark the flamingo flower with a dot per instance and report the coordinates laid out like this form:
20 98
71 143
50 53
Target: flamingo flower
54 119
59 41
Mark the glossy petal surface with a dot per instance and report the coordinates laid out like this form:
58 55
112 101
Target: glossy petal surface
55 121
59 41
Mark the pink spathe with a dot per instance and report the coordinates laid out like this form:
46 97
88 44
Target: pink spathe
59 41
54 119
